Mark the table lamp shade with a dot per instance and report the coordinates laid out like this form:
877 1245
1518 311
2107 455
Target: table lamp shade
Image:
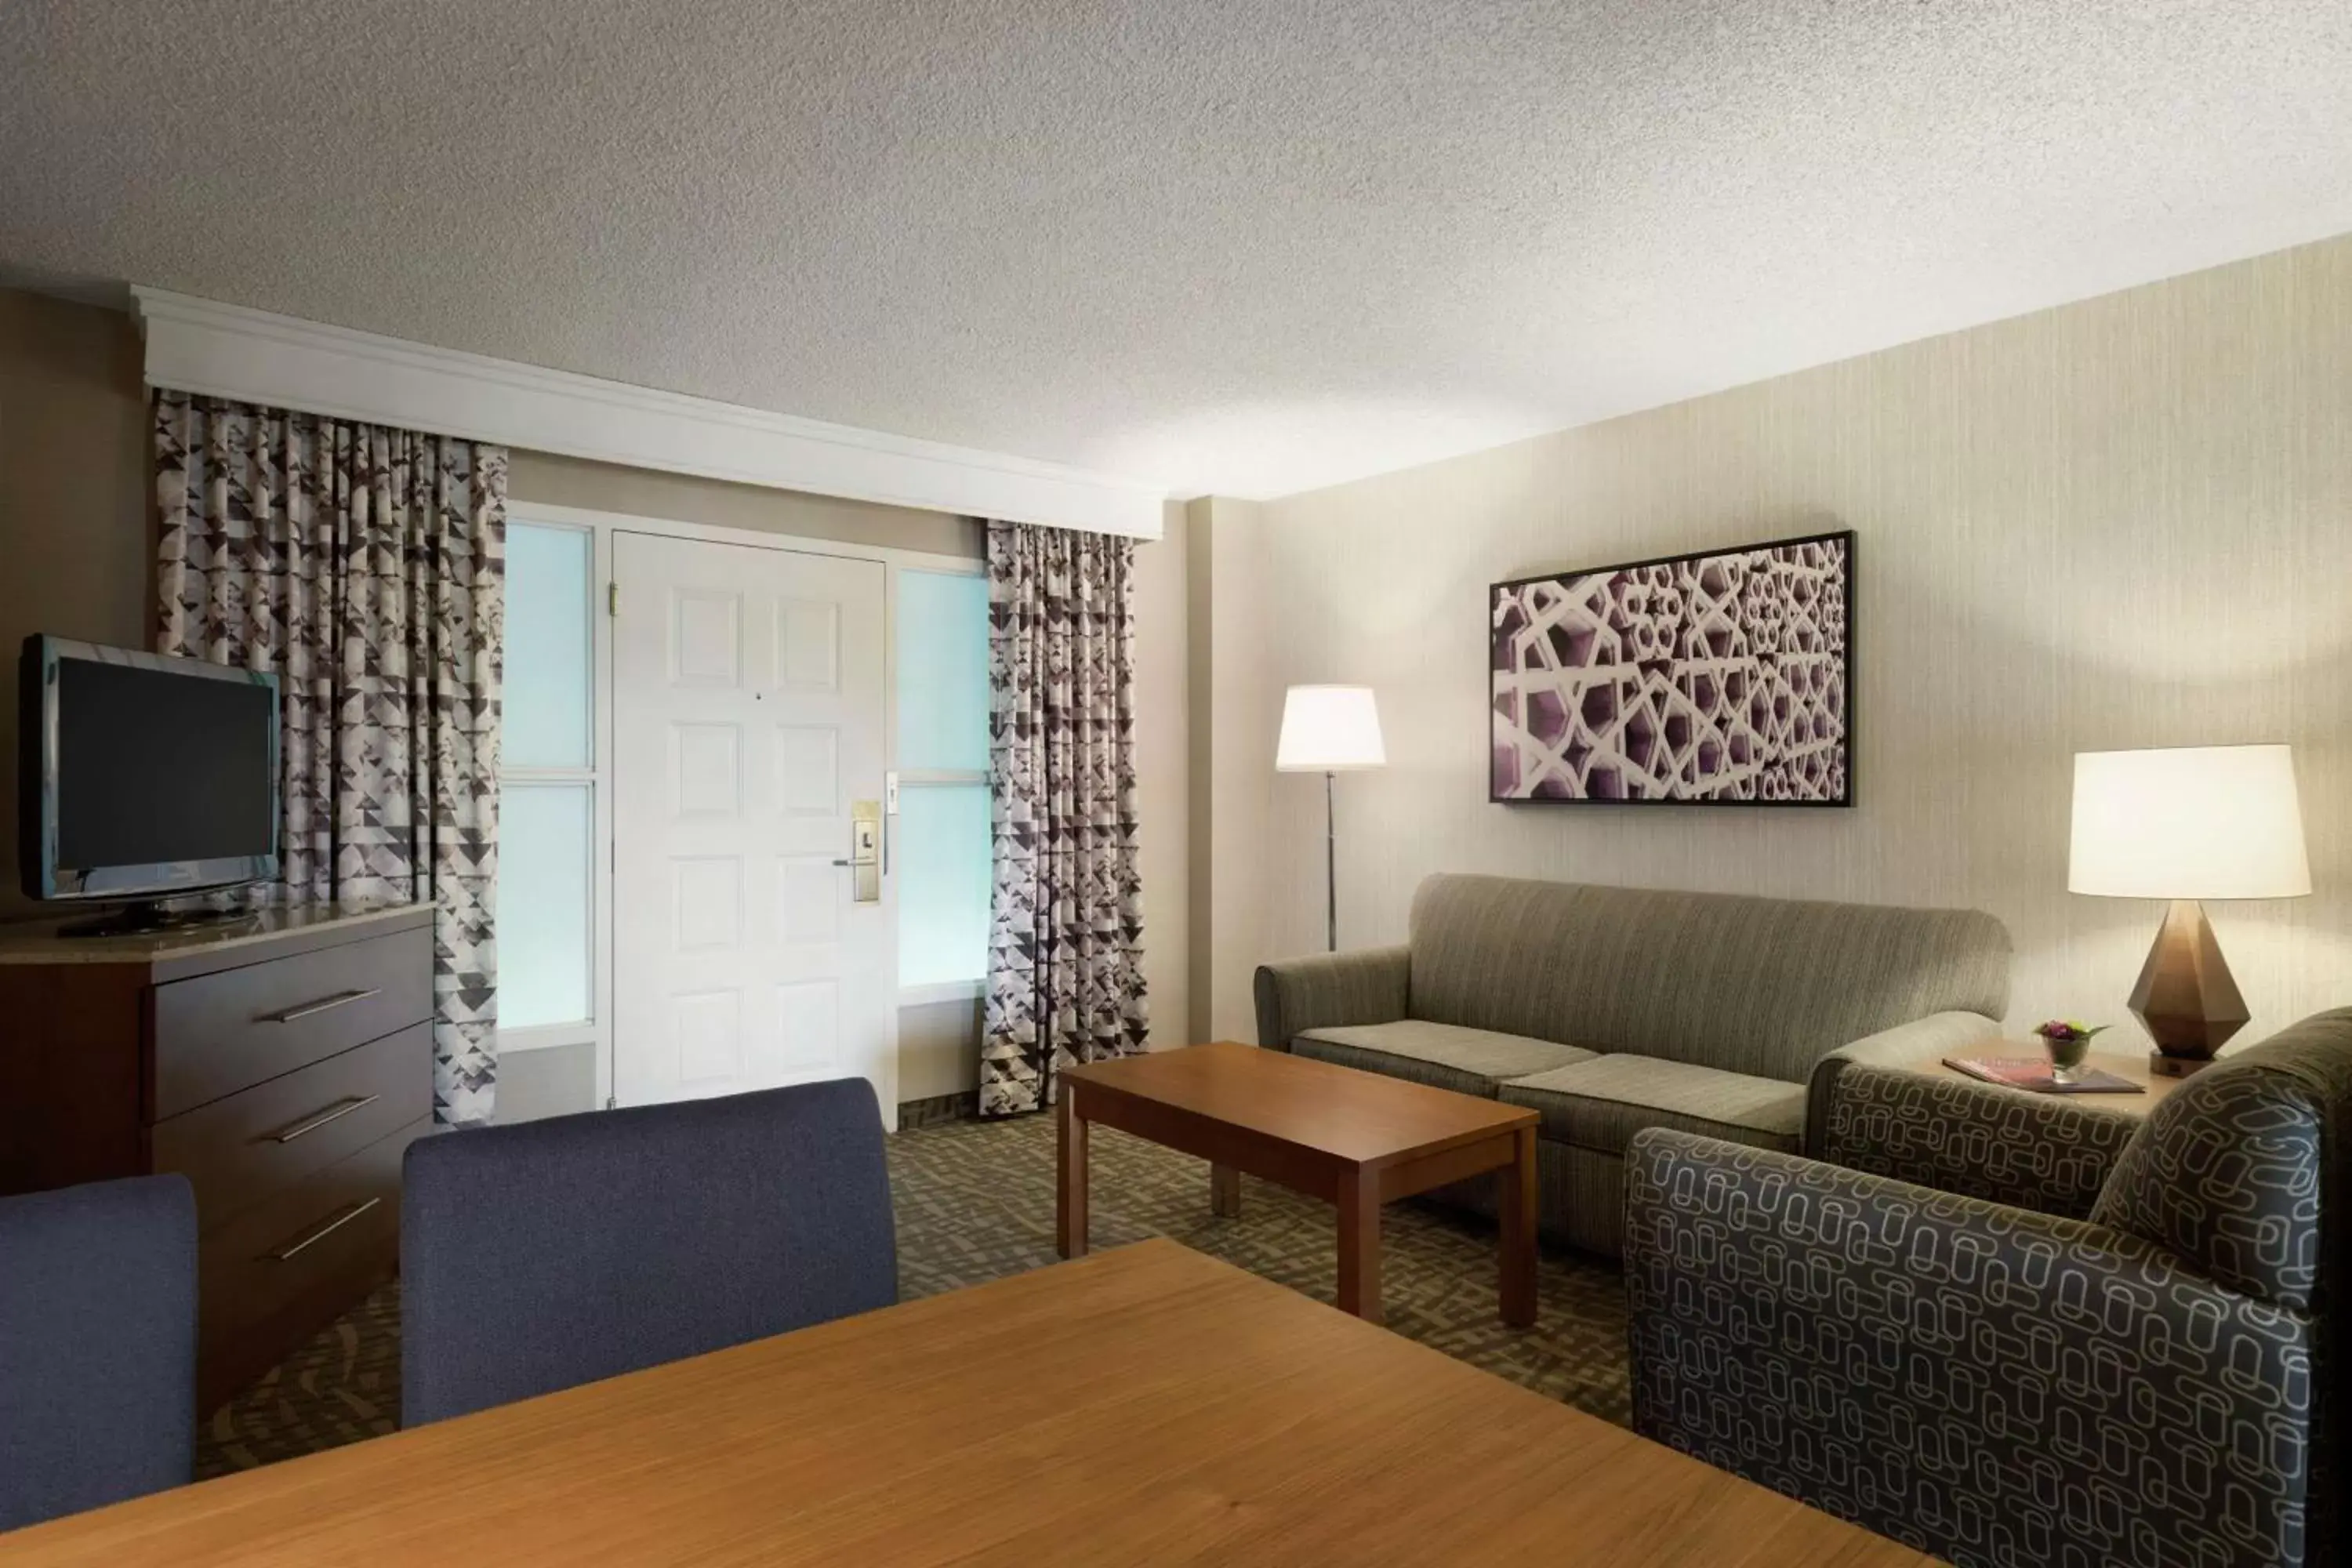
1330 730
2191 822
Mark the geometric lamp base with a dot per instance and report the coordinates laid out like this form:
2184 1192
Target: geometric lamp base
2185 996
2161 1065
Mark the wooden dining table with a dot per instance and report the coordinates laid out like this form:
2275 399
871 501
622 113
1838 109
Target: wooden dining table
1143 1405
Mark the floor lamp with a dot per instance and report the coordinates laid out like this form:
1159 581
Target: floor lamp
1330 730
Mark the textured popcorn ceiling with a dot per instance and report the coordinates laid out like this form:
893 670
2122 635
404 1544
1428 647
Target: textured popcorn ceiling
1249 247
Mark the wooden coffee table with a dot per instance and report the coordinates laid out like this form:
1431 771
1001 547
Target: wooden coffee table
1354 1139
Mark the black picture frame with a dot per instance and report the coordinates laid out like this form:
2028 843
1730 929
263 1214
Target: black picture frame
1843 801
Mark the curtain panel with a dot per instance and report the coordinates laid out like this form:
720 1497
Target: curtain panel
366 568
1065 926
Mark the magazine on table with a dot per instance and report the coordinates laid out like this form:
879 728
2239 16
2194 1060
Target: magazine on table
2035 1073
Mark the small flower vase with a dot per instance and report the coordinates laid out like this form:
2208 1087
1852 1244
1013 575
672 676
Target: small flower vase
2066 1058
2068 1045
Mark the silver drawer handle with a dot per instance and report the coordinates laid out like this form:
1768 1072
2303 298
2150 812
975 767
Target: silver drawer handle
350 1212
323 1005
335 1112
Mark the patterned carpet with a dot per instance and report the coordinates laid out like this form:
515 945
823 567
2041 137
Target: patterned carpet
976 1201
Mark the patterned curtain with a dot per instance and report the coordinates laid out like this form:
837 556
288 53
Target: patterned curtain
1066 928
367 568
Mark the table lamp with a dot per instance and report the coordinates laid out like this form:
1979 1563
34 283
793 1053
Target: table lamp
2186 824
1330 730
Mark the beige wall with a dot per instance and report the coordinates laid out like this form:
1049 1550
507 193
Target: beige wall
2123 522
938 1050
1162 740
75 512
682 498
553 1081
1231 780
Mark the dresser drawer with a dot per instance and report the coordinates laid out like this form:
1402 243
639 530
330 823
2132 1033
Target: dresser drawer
238 1150
292 1262
219 1033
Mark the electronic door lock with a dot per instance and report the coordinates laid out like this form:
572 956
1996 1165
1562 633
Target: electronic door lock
865 851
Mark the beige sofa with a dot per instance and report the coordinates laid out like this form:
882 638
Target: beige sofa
1609 1010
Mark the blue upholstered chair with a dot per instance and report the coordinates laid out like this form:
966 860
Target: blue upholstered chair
98 1345
552 1253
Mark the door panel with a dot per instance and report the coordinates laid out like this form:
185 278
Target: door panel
810 647
706 771
748 721
808 769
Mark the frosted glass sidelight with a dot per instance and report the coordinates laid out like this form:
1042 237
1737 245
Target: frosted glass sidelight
942 671
943 883
546 709
545 934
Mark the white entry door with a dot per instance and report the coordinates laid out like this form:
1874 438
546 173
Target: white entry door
748 726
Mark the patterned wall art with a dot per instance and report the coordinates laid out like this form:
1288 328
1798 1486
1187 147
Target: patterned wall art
1724 678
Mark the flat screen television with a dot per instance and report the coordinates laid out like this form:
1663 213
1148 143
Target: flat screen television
143 776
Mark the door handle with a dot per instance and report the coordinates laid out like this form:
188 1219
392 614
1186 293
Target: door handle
865 860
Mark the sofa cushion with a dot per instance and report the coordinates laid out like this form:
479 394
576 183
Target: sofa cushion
1601 1104
1468 1061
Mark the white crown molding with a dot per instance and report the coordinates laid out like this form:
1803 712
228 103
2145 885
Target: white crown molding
254 356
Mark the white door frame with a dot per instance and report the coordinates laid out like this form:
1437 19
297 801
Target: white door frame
602 526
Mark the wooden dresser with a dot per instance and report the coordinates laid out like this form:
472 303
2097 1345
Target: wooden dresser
282 1065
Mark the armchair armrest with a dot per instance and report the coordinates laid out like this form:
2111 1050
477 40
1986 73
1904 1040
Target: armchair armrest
1922 1040
1366 986
2052 1153
1986 1384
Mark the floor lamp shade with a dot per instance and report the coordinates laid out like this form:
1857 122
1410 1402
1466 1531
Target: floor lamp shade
2186 824
1330 730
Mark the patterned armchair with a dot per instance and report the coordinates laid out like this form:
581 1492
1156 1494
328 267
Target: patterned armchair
2161 1383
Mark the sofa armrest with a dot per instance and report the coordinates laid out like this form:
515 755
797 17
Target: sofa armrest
1366 986
1961 1376
1922 1040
